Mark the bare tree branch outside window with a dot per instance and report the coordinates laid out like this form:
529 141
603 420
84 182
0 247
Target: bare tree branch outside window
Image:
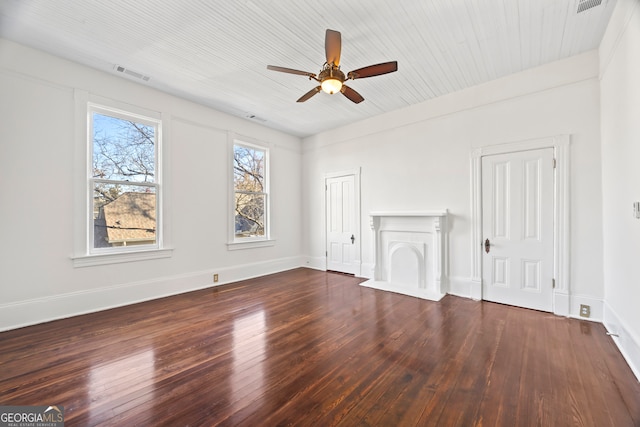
124 181
250 194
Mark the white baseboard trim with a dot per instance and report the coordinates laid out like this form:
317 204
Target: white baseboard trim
561 303
461 287
316 263
628 343
320 263
367 270
39 310
595 305
564 304
427 294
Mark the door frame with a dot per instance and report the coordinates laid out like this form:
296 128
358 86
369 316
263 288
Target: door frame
357 221
561 232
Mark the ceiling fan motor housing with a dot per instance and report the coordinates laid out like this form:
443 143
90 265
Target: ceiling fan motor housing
330 71
331 79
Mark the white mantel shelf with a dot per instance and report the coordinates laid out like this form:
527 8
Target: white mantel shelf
442 212
410 252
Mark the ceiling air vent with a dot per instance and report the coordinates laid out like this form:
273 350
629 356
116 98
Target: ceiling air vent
131 73
587 4
254 117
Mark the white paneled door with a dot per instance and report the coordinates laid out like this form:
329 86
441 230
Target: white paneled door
517 225
341 224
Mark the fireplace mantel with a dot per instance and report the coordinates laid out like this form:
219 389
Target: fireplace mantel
437 213
410 252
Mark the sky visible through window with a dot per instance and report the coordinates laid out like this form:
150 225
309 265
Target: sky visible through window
123 150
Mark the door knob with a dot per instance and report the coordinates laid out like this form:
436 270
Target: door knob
487 246
353 239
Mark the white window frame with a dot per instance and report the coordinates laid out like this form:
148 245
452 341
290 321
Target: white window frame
234 242
85 254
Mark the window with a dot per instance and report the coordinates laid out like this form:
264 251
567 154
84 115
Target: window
124 181
250 193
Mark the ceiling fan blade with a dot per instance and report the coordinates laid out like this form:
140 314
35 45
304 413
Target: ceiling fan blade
373 70
290 71
309 94
332 46
351 94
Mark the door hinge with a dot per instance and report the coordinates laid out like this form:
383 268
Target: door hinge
553 283
554 163
326 253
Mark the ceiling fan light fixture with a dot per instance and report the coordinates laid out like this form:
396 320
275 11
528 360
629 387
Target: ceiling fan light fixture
331 79
331 85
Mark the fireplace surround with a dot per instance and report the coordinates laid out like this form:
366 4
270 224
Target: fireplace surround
410 253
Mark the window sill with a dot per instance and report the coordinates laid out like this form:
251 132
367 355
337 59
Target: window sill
120 257
234 246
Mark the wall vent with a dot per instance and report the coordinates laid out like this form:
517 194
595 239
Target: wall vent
127 71
254 117
587 4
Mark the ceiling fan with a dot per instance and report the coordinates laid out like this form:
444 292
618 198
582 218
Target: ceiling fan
331 78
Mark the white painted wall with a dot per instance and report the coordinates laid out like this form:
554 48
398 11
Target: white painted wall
37 224
620 92
418 158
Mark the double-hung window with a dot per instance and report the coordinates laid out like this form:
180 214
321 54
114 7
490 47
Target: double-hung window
250 193
124 181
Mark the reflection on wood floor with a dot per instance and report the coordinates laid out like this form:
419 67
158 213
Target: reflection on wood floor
309 348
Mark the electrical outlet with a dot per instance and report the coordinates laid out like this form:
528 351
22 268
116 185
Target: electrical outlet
215 278
585 310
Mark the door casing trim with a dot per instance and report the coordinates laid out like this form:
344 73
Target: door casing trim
561 232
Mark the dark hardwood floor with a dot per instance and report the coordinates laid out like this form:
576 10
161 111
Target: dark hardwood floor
308 348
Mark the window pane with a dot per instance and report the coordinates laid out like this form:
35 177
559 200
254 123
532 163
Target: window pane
123 150
123 215
249 216
248 169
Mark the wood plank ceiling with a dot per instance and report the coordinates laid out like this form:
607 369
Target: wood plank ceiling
215 52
